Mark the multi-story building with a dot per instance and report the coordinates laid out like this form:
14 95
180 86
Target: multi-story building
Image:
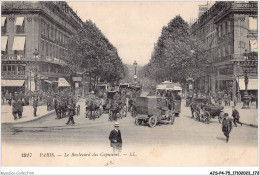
229 30
34 36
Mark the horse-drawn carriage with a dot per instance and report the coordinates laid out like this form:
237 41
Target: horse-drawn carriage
153 110
203 110
115 105
92 107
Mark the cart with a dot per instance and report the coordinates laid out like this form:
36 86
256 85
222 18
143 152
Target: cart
153 110
212 111
203 111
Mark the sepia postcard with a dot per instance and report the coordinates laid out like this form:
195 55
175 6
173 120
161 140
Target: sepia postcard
129 83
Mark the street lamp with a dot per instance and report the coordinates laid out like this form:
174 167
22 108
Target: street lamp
135 65
35 53
246 64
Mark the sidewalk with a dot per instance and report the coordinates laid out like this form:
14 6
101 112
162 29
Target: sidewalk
247 116
7 116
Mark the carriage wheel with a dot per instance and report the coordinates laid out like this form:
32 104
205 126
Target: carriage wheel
220 116
152 121
138 122
196 115
207 116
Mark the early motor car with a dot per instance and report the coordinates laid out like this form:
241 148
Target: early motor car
153 110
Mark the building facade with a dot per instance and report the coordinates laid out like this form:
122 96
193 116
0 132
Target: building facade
34 36
229 30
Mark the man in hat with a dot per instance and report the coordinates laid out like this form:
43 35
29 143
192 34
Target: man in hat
236 116
115 138
20 105
71 112
35 105
226 126
14 109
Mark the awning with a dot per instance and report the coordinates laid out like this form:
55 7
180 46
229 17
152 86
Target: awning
12 83
63 83
19 43
177 88
3 42
161 87
252 84
47 81
19 21
253 45
3 21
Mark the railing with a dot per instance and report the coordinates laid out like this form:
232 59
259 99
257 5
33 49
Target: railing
13 57
13 72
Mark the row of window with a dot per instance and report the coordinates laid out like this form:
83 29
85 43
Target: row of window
49 31
52 50
206 29
14 69
52 68
20 70
211 40
18 23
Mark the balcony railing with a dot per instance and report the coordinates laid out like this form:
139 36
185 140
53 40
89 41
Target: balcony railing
13 57
13 73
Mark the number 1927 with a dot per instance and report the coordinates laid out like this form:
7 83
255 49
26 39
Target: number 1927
26 154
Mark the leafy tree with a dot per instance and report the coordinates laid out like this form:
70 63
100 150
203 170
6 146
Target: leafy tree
89 51
177 54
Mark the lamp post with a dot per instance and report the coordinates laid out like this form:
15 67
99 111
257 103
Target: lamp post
35 53
246 64
135 66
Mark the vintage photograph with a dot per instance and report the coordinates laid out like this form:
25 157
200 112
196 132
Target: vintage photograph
129 83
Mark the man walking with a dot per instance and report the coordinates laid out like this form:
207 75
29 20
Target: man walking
20 105
226 126
236 116
35 105
235 100
115 139
14 109
71 112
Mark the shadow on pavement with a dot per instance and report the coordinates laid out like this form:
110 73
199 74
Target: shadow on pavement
221 138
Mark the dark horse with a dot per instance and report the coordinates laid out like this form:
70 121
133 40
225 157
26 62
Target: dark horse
91 110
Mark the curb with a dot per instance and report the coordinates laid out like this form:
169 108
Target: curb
37 118
252 125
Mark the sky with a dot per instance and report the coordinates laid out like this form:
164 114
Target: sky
134 27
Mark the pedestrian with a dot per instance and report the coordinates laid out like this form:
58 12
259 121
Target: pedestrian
235 100
26 99
236 116
229 99
56 106
49 103
71 112
10 99
35 105
116 139
3 97
14 109
226 99
226 126
63 107
114 109
20 105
